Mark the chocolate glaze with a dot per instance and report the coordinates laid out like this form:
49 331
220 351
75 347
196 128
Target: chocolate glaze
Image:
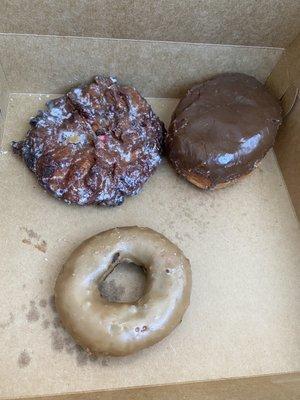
96 144
221 129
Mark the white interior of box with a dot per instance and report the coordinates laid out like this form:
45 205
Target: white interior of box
243 241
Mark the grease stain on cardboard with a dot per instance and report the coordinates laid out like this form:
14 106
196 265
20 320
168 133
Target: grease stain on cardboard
60 340
34 239
111 290
24 359
33 313
8 322
43 303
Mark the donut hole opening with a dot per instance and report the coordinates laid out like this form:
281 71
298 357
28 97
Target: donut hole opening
125 284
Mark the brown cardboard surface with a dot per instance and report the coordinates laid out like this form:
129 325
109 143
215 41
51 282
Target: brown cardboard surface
3 101
271 387
294 61
289 99
279 80
287 147
48 64
243 243
251 22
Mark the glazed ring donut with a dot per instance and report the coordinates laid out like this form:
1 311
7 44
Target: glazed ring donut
100 326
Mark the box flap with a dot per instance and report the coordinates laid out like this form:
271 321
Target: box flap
252 22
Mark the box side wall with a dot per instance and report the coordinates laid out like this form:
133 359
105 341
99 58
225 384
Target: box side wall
52 64
287 146
3 101
273 387
257 23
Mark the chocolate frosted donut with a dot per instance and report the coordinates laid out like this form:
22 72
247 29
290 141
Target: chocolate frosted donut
100 326
97 144
221 129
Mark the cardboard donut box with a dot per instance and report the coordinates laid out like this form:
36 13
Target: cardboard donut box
240 338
